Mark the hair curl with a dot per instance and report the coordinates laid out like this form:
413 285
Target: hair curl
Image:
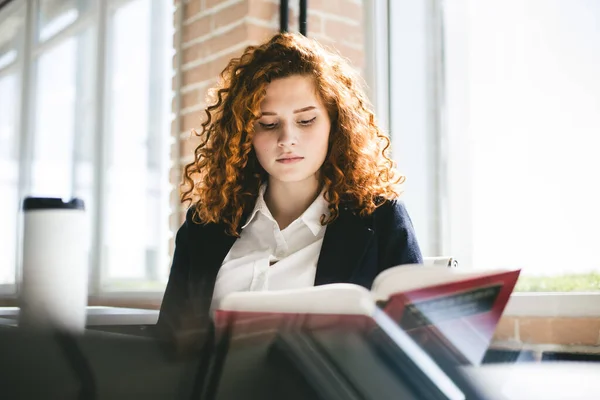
224 179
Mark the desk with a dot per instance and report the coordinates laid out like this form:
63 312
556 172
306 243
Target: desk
97 316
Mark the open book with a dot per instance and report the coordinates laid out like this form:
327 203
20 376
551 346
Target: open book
451 313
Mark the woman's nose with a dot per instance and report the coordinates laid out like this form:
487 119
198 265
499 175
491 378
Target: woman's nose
287 136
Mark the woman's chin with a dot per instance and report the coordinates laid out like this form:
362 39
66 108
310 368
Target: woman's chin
290 178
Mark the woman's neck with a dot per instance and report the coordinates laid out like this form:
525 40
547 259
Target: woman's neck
288 201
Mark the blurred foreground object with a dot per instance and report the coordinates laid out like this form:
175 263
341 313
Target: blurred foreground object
54 286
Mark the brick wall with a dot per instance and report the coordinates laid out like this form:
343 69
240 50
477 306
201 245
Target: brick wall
542 334
214 31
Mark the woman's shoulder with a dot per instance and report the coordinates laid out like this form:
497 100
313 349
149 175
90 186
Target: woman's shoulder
196 226
189 215
192 222
392 212
390 207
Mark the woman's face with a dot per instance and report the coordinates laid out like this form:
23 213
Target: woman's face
291 136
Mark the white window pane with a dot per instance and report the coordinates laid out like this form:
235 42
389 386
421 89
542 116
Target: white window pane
84 145
533 93
54 122
136 234
56 15
8 58
8 177
128 130
11 34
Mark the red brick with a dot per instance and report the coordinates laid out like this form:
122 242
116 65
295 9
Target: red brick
355 57
216 44
191 8
191 53
174 196
215 67
259 34
211 3
192 98
314 24
191 121
353 10
195 75
505 331
175 177
196 29
342 8
292 20
325 41
176 17
189 145
564 331
575 331
229 15
263 10
535 330
342 31
174 128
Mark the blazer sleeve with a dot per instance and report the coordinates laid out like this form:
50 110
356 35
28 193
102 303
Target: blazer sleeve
176 294
398 241
178 323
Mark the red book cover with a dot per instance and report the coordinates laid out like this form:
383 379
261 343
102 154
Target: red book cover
456 319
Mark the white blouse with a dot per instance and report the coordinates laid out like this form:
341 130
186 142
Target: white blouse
267 258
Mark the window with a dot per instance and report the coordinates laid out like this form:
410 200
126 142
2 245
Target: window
95 79
494 118
8 177
11 39
523 98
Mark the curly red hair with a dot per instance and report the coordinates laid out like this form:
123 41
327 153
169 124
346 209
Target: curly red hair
223 181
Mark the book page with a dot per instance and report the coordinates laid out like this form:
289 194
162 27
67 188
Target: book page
335 298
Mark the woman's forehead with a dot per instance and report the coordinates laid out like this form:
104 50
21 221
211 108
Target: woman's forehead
292 92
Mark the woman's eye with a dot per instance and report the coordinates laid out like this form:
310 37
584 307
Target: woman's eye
267 126
308 121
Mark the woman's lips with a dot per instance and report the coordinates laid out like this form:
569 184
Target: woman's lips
290 160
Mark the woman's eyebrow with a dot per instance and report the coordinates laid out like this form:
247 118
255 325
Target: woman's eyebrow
303 109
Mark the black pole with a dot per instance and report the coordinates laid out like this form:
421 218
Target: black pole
283 15
302 21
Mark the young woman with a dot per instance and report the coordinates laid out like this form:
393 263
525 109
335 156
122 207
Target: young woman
290 187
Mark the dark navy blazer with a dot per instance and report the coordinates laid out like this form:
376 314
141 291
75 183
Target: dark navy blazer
355 249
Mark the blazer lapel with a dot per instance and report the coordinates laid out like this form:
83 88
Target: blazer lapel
344 245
